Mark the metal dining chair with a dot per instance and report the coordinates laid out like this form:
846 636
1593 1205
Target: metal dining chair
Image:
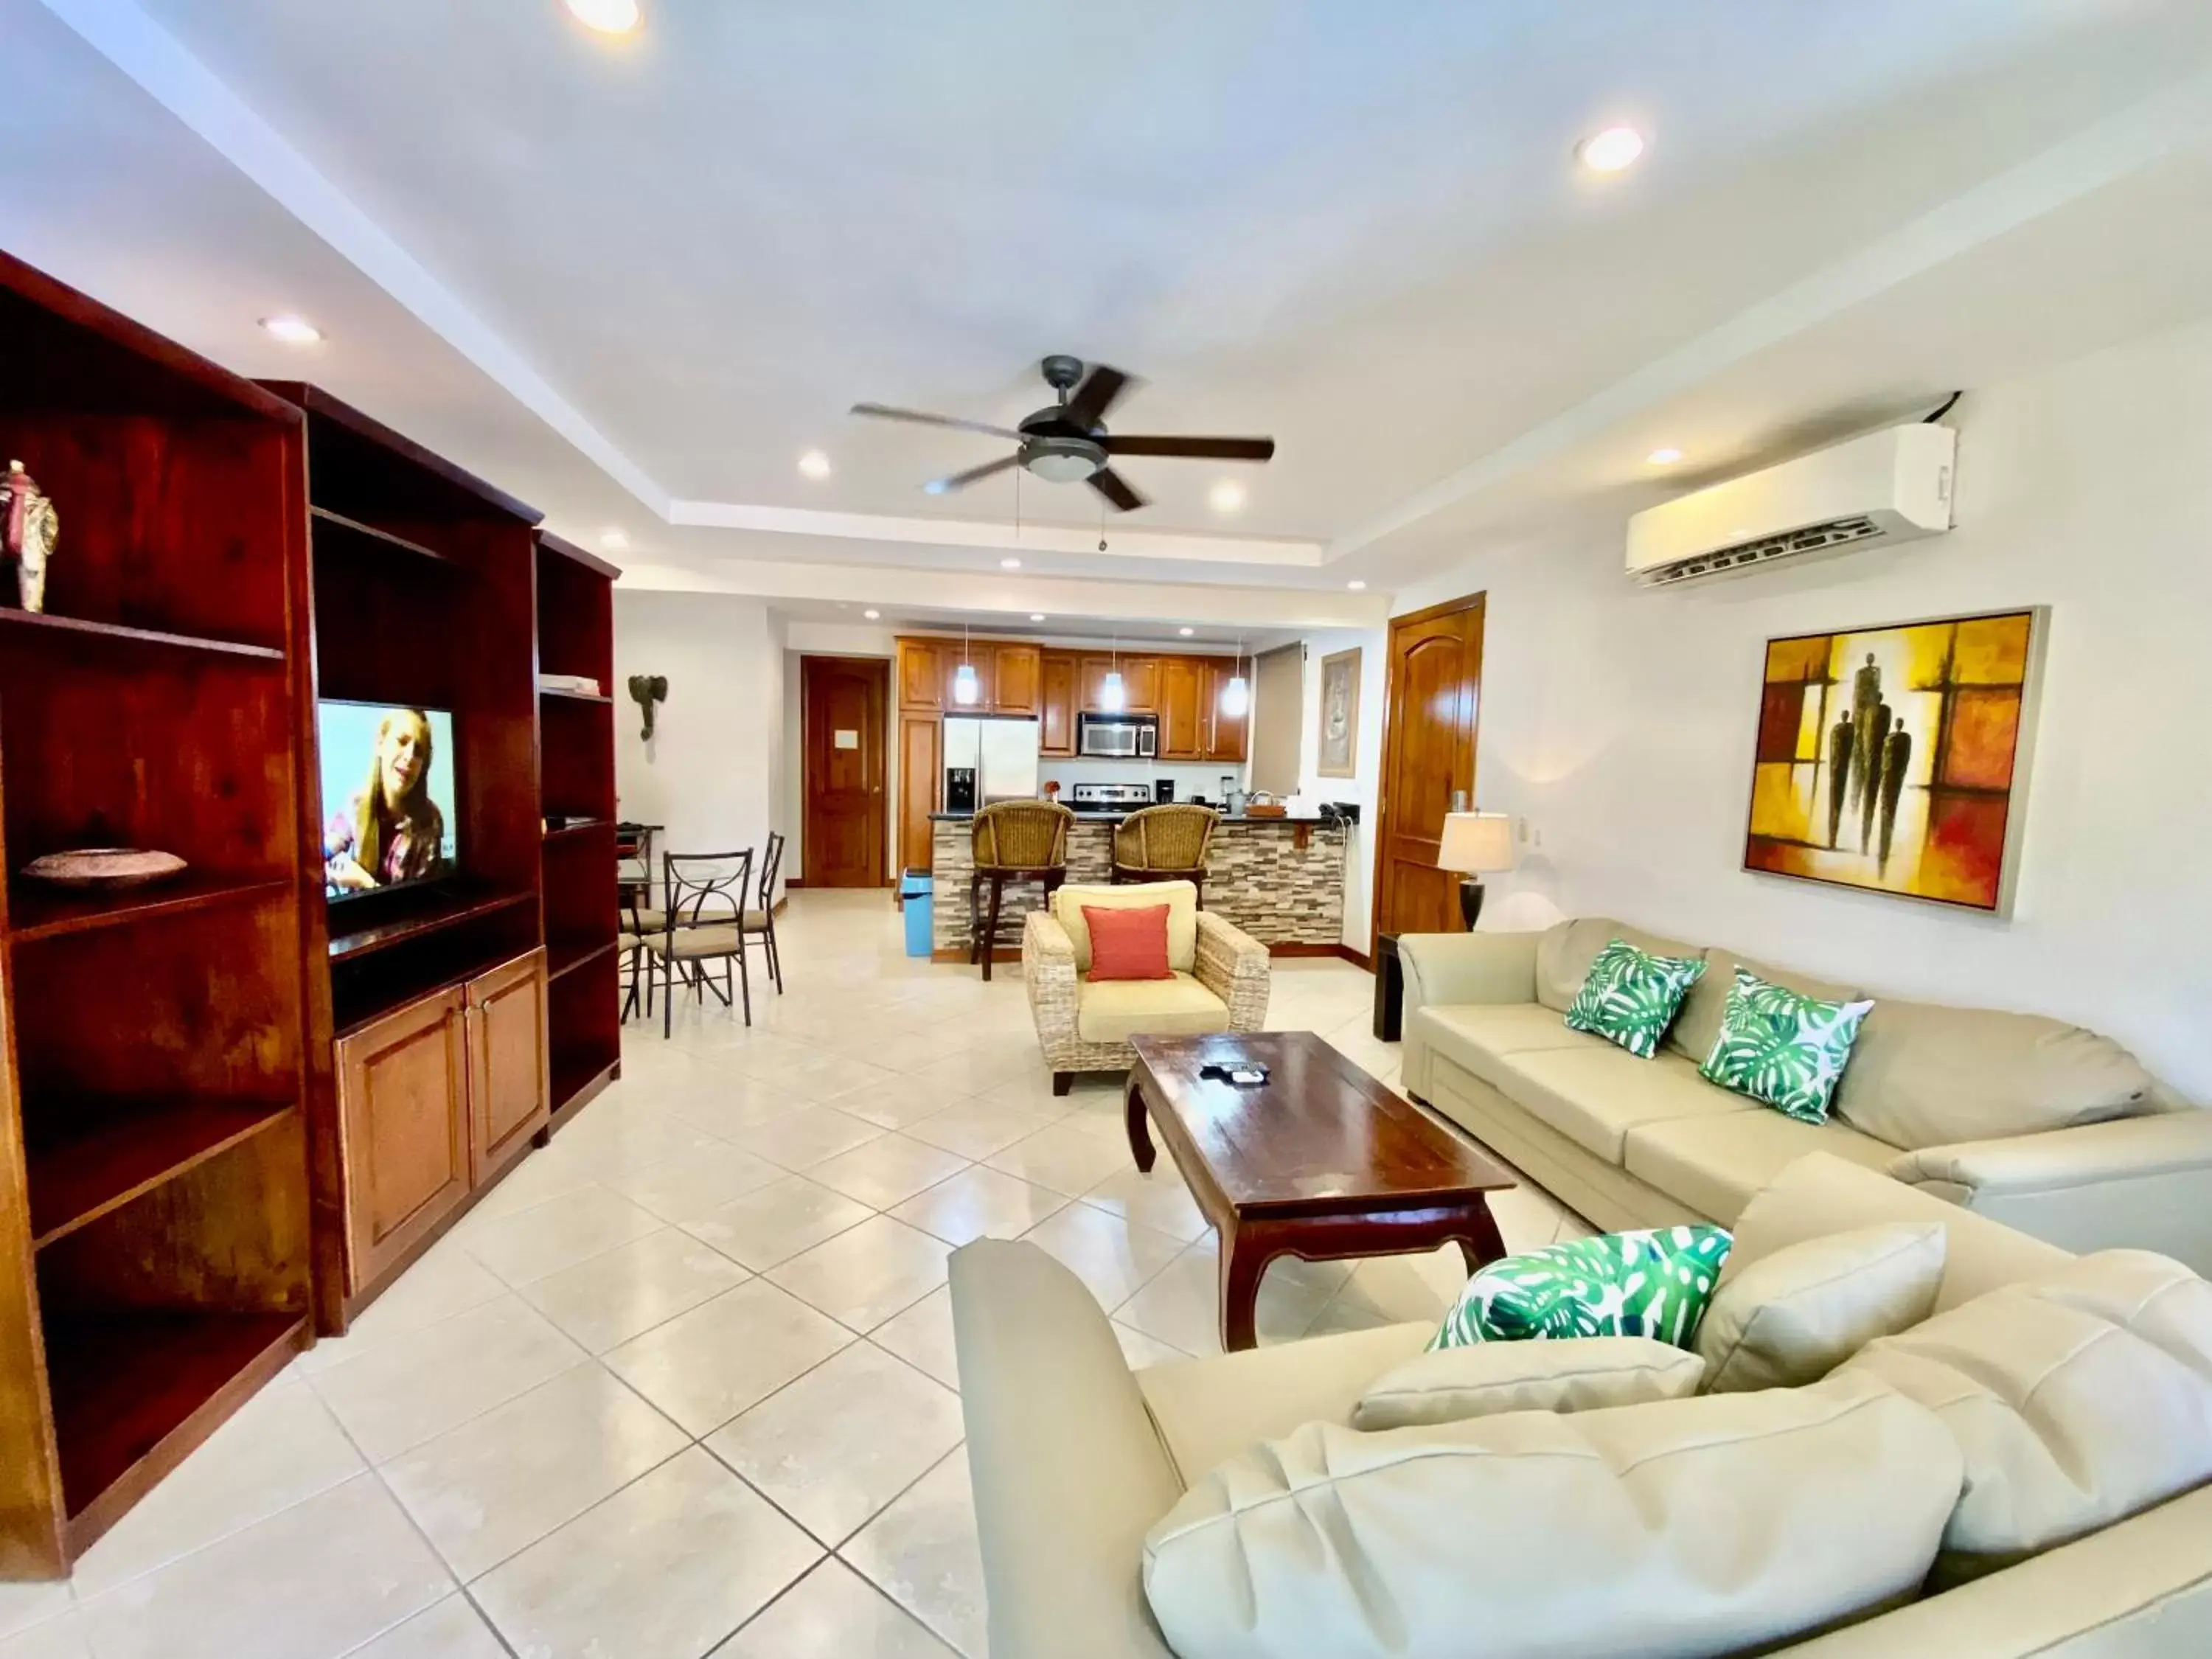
703 923
759 921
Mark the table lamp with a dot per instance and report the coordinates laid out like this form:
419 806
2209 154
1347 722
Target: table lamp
1475 843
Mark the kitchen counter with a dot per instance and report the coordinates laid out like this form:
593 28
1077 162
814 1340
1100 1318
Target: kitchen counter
1281 880
1115 814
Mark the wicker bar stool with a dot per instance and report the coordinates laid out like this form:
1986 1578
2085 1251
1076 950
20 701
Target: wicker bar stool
1013 841
1165 843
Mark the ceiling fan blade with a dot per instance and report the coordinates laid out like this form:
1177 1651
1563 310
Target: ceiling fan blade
1091 400
884 412
961 480
1116 488
1196 449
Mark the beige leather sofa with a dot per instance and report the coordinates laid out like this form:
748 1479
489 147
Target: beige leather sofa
1075 1457
2032 1122
1219 984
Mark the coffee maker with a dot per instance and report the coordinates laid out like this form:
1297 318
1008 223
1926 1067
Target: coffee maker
1163 791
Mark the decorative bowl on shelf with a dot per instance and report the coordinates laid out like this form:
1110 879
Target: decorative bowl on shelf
104 866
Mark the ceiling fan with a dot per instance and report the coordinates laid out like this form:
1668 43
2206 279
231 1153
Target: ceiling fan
1067 442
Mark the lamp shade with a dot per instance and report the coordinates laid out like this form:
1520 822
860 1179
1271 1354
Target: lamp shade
1476 842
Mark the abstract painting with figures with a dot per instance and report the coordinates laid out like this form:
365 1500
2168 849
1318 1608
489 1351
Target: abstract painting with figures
1895 758
1339 715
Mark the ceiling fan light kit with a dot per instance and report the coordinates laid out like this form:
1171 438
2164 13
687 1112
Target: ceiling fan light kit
1067 441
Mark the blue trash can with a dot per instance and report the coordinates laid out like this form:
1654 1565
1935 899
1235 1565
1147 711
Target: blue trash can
917 897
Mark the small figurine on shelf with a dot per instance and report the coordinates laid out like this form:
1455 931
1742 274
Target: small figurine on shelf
29 527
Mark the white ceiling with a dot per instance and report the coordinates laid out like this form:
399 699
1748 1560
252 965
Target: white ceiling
632 280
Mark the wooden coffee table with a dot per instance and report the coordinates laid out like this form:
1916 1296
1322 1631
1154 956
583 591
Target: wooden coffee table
1321 1162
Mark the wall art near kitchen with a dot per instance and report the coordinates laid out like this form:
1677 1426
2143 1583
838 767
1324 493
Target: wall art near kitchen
1895 758
1339 715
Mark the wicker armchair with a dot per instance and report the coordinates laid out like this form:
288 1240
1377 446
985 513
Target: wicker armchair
1012 840
1165 843
1221 983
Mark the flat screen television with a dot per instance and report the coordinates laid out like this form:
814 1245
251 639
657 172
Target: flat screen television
390 816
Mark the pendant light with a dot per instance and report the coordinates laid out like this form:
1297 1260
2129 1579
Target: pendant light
966 688
1110 695
1236 695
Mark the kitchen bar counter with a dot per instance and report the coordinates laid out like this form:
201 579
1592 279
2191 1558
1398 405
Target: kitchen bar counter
1279 879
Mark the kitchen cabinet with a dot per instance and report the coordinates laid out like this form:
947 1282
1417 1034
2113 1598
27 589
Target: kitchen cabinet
924 678
1015 671
1227 736
1140 682
1056 704
1185 727
434 1099
921 778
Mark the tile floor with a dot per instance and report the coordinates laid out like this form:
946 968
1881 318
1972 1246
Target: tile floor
683 1383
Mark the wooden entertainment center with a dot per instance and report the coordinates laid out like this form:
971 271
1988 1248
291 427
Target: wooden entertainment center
229 1110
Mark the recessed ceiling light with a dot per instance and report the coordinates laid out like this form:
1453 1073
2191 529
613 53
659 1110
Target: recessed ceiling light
1357 586
814 463
1186 632
1610 151
1666 457
1226 496
608 16
613 540
1010 564
293 331
1037 616
873 615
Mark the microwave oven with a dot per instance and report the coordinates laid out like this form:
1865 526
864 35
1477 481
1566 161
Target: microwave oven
1117 737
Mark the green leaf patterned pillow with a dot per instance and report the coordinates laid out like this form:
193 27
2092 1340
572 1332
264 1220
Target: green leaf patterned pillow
1781 1046
1653 1284
1631 997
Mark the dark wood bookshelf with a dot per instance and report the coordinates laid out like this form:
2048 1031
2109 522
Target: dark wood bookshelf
155 1193
335 530
129 1153
37 912
576 777
30 628
431 916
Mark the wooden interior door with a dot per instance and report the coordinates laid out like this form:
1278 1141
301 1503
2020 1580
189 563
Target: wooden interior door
1428 760
842 701
403 1099
509 1088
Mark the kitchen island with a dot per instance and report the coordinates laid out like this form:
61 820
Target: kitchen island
1281 880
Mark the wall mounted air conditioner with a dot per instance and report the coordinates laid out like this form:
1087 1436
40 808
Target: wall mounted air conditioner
1889 486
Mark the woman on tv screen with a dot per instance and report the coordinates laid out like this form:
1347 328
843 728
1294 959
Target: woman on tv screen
391 830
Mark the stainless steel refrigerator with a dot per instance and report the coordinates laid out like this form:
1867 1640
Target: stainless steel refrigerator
1001 748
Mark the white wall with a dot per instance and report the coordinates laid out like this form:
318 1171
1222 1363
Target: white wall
1312 788
1620 722
711 773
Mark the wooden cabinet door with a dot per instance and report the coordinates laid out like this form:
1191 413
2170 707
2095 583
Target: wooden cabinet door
403 1110
1056 712
510 1093
1182 684
984 660
921 775
1014 687
1227 736
924 677
1140 682
1092 684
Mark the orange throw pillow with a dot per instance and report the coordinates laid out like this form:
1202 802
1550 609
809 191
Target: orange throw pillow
1128 942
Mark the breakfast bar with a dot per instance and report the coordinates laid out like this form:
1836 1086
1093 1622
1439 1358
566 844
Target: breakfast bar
1281 880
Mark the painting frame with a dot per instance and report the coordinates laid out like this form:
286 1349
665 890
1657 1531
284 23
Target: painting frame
1337 754
1961 771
